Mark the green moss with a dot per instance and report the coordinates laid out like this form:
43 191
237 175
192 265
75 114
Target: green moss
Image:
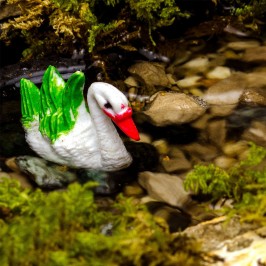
68 228
58 26
245 183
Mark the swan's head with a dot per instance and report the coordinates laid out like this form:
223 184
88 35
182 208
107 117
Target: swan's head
115 105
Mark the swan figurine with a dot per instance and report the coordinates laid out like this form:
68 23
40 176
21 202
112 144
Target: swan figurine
62 128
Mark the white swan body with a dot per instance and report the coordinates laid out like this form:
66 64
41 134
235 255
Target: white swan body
93 141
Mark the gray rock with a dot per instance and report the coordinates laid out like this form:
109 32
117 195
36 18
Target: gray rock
164 187
44 174
171 108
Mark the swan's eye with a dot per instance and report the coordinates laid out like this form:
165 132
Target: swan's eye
108 105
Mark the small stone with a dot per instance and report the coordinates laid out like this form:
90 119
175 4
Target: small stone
133 190
234 149
224 95
202 122
169 108
216 131
150 73
190 81
255 54
146 138
256 133
225 162
243 45
219 72
171 79
195 91
253 97
161 146
175 165
204 152
131 82
164 187
197 65
256 80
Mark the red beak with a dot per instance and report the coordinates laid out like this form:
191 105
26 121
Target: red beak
125 122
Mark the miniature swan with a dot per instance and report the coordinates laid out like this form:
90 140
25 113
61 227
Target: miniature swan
60 127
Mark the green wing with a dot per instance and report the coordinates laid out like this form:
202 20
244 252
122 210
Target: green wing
73 98
59 102
55 104
30 102
51 119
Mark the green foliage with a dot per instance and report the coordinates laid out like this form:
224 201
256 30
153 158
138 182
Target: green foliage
245 183
68 228
56 26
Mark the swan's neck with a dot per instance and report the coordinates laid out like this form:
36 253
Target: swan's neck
112 149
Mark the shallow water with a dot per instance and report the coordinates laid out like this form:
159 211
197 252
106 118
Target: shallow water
232 113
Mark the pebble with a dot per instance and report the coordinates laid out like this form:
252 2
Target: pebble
176 164
161 146
224 95
255 55
256 133
219 72
150 73
233 149
190 81
242 45
170 108
164 187
253 97
197 65
205 152
224 162
133 190
216 132
131 82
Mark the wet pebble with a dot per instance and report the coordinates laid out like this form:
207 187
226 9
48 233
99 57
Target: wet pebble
255 55
219 72
224 162
169 108
224 96
216 131
253 97
242 45
150 73
256 133
164 187
171 165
